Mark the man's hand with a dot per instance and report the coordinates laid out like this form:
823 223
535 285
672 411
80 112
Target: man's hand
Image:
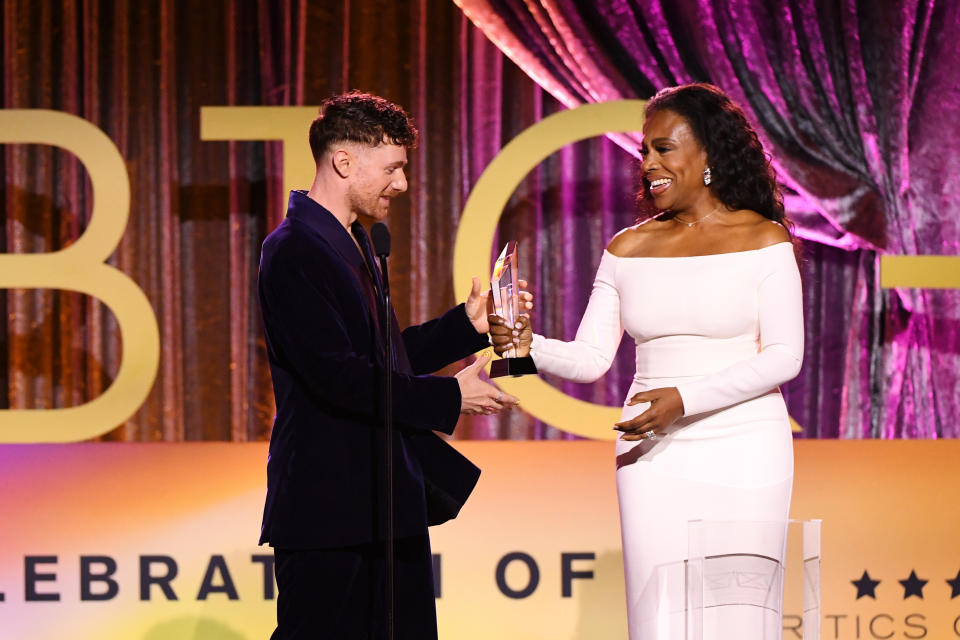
504 338
666 405
479 397
479 305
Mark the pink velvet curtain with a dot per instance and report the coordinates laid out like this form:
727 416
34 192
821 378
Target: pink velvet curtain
856 101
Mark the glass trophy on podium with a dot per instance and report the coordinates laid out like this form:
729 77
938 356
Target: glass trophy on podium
506 304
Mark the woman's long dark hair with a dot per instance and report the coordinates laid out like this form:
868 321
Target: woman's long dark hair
741 174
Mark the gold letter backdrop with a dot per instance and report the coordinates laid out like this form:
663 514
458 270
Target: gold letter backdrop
80 267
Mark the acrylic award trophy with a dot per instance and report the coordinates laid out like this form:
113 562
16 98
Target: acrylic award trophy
506 304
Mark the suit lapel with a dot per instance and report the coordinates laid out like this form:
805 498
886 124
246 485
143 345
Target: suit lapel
323 223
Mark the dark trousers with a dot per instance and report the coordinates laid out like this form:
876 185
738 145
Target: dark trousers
339 593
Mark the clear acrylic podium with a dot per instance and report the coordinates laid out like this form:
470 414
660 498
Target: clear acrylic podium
750 580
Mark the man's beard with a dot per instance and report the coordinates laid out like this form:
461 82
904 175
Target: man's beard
366 204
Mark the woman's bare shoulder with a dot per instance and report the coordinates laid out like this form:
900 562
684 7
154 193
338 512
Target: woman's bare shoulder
633 241
760 232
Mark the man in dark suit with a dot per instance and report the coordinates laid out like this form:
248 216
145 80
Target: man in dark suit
319 283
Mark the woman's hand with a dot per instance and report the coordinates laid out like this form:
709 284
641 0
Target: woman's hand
666 405
479 305
504 338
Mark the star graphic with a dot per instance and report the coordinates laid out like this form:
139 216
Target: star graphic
913 586
955 585
865 586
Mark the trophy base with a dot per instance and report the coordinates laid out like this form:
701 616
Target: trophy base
512 367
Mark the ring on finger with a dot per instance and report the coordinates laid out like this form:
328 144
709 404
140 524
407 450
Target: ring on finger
648 435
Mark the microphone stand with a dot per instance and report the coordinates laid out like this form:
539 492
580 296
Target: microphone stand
381 243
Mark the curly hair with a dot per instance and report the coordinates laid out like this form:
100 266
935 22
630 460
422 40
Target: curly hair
741 174
362 118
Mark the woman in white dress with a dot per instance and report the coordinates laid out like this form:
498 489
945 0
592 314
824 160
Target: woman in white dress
710 291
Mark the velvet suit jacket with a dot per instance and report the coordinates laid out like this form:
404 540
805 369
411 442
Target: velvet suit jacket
325 471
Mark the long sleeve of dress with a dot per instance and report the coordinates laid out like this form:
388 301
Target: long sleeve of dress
780 306
591 353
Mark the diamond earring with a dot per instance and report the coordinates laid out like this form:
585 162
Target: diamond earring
707 179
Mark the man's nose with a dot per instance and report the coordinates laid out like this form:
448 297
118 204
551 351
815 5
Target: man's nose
400 184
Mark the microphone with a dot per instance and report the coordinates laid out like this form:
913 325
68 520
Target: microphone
381 247
381 239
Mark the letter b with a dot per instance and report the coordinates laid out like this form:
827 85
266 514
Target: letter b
88 577
81 267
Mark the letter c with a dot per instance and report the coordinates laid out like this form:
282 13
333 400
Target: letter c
874 632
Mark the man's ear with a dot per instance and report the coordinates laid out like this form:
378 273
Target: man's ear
343 163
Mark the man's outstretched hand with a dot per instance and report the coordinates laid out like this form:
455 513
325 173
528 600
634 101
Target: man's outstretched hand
478 396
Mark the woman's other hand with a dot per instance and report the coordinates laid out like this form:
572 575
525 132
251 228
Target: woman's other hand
666 405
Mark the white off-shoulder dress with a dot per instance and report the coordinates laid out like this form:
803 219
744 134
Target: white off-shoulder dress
725 330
